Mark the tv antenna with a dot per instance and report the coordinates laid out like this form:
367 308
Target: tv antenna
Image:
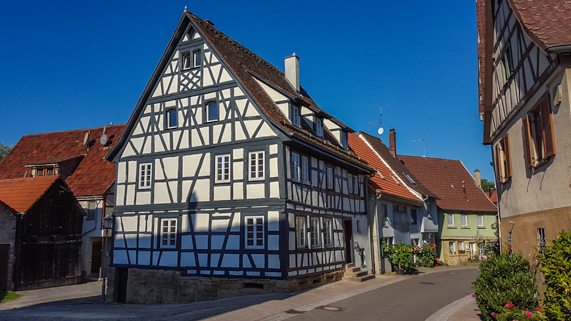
380 122
423 146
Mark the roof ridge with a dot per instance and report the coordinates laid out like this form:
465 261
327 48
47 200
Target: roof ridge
236 43
425 157
70 130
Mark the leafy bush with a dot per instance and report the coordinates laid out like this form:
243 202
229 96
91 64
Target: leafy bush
555 264
427 255
505 279
401 255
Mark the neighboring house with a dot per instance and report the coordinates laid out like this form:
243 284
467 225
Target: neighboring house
465 214
78 158
228 170
401 209
493 196
40 234
524 84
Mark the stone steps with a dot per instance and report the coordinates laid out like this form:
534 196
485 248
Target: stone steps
356 274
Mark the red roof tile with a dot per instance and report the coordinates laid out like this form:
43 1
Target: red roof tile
494 197
387 183
93 176
21 194
451 181
547 22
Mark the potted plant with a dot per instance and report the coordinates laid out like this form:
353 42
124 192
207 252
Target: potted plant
401 255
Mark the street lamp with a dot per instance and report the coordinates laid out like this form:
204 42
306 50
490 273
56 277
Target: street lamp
107 225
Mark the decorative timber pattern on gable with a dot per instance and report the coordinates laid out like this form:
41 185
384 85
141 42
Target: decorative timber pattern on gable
519 66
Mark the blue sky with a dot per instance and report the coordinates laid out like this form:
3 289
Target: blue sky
78 64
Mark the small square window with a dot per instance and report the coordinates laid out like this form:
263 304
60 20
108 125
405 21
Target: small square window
452 247
186 62
413 217
319 126
222 169
344 140
50 171
330 182
315 233
450 218
171 118
91 210
300 231
480 220
305 170
145 175
212 112
414 242
197 58
328 236
464 219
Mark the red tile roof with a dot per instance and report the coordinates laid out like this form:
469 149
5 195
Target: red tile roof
387 183
21 194
494 197
93 176
547 22
451 181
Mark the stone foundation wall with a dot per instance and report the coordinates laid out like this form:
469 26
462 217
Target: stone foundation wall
145 286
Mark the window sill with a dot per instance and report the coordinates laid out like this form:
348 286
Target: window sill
465 227
481 227
452 227
541 163
260 179
222 182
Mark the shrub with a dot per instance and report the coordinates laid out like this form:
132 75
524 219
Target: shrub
555 264
427 255
505 278
401 255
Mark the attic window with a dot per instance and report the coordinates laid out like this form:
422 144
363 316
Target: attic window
197 58
319 126
344 140
295 119
409 178
186 61
191 61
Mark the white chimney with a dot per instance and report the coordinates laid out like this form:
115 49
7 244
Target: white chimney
292 70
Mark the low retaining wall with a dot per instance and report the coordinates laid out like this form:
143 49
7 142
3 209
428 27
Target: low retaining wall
169 286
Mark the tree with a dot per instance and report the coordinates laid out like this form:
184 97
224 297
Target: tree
4 150
486 185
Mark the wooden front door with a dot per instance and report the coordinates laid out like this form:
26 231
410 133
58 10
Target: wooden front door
96 253
348 232
4 272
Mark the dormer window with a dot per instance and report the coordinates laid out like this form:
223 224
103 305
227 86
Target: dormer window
344 140
319 126
295 119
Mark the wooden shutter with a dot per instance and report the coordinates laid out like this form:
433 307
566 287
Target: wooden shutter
547 122
527 142
507 155
498 166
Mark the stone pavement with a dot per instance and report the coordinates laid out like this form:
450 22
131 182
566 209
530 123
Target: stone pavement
258 307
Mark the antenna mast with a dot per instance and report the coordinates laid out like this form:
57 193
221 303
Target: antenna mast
423 146
380 122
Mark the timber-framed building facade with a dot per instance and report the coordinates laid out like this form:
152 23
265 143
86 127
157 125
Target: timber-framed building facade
227 169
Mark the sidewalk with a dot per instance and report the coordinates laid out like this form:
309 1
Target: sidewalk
272 307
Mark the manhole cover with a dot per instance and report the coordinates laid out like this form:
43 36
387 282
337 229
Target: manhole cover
331 308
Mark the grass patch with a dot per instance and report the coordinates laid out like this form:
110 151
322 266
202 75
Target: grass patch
9 296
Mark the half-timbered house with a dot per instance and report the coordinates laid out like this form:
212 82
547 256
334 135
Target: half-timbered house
228 169
524 85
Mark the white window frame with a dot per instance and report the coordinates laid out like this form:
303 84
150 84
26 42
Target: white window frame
449 222
222 173
315 233
319 126
186 60
196 55
414 241
295 116
168 115
300 232
257 166
481 220
295 167
464 220
330 173
207 110
388 240
460 246
254 227
328 232
344 140
145 175
305 172
452 247
169 235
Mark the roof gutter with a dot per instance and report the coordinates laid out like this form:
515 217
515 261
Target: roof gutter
559 49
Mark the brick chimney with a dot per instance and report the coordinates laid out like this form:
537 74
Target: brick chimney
292 71
478 178
393 142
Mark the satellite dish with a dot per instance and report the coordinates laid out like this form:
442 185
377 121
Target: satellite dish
85 138
103 139
380 131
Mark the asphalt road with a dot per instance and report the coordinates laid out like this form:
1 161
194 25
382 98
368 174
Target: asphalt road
414 299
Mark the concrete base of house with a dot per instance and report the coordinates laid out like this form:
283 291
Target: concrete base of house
150 286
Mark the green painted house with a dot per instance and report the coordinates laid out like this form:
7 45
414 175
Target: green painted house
465 214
